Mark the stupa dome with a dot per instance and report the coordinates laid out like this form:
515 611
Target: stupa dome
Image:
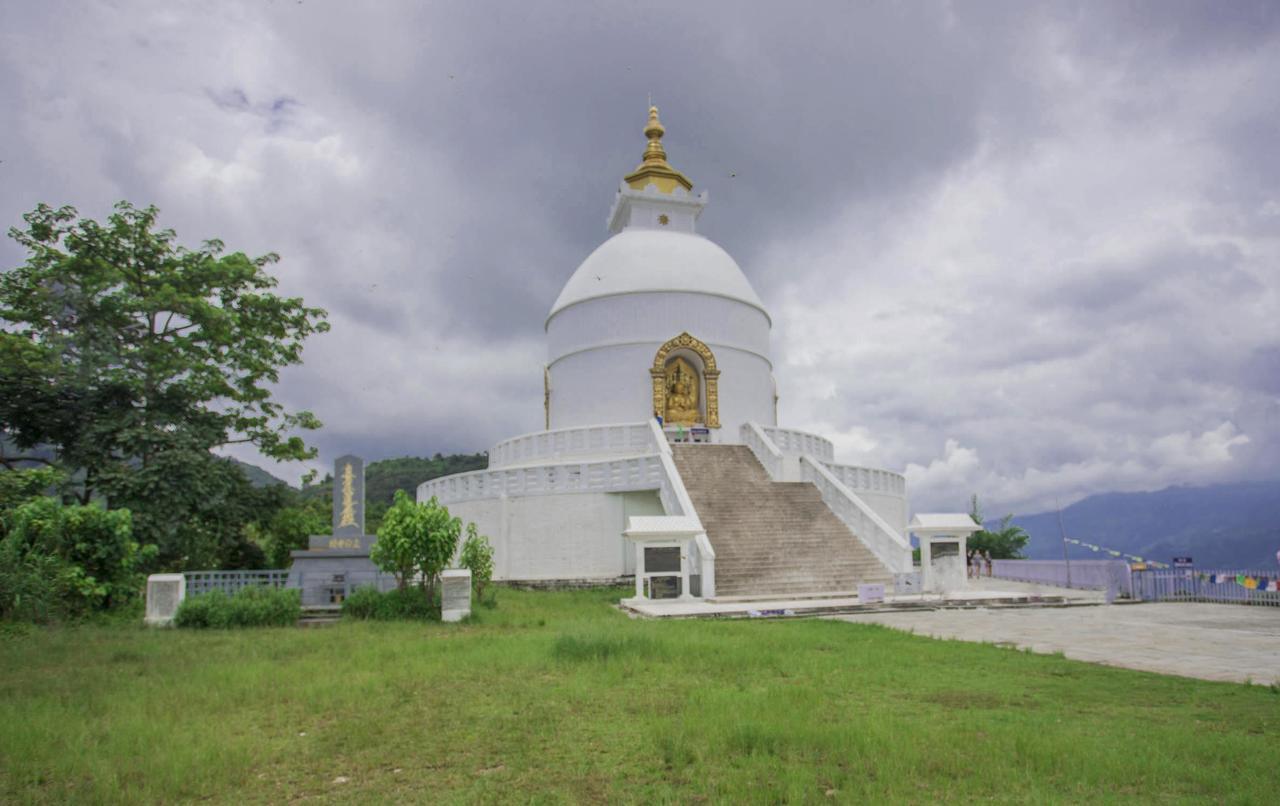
639 260
655 299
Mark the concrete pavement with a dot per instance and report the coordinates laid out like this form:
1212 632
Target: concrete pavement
1209 641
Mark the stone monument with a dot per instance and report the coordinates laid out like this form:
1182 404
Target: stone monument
455 594
164 593
333 565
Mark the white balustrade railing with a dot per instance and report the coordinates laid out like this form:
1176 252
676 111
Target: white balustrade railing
767 453
800 443
608 476
594 440
869 479
891 548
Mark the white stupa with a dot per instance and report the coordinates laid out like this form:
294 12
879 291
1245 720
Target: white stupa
661 417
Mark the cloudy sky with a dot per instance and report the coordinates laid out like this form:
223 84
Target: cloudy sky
1029 251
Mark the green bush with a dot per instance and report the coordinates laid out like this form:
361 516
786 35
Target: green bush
477 556
59 560
204 611
407 604
363 603
250 607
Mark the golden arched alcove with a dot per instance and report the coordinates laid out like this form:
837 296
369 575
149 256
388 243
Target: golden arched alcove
681 388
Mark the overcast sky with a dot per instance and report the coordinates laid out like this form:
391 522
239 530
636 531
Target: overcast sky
1027 251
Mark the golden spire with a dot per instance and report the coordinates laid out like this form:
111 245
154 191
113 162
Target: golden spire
655 170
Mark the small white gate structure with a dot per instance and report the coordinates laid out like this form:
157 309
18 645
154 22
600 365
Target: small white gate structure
942 549
671 548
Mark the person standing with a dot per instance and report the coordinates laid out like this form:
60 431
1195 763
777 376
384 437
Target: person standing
986 557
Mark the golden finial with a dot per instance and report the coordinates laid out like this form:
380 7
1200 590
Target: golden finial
654 169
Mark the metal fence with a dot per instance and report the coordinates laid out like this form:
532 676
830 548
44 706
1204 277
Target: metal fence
1108 575
1220 585
325 589
229 582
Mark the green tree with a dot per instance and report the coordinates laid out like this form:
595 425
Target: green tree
416 539
1005 543
477 556
289 529
132 357
19 486
400 539
443 531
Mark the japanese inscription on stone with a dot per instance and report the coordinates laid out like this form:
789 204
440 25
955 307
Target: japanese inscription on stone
348 496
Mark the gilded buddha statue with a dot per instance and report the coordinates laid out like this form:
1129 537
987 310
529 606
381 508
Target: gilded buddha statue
681 393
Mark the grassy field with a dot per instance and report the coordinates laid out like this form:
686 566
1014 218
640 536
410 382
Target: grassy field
557 697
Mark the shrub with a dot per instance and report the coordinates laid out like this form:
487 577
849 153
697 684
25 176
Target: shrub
477 555
363 603
402 604
60 560
411 604
249 607
202 612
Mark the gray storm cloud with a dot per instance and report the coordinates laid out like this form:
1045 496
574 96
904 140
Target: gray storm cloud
1017 250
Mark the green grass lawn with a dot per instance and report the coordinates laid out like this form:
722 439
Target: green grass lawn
557 697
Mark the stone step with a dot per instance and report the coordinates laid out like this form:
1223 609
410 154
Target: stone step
771 538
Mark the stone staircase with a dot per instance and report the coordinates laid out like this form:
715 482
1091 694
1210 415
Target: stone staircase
770 537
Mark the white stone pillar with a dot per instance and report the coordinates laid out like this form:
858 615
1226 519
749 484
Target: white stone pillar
639 570
455 594
164 593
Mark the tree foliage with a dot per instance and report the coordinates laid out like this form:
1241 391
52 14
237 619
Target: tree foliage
131 357
416 539
289 529
1005 543
400 536
477 556
61 560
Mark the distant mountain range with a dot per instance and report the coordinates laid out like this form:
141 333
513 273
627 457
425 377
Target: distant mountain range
1219 526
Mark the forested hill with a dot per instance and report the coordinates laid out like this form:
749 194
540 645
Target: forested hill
1219 526
384 477
256 475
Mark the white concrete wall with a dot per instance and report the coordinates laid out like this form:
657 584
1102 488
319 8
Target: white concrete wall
613 385
656 317
601 351
574 536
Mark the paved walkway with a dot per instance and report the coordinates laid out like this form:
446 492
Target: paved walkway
1208 641
979 592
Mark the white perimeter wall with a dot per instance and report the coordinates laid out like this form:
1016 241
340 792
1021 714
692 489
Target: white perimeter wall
572 536
600 352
